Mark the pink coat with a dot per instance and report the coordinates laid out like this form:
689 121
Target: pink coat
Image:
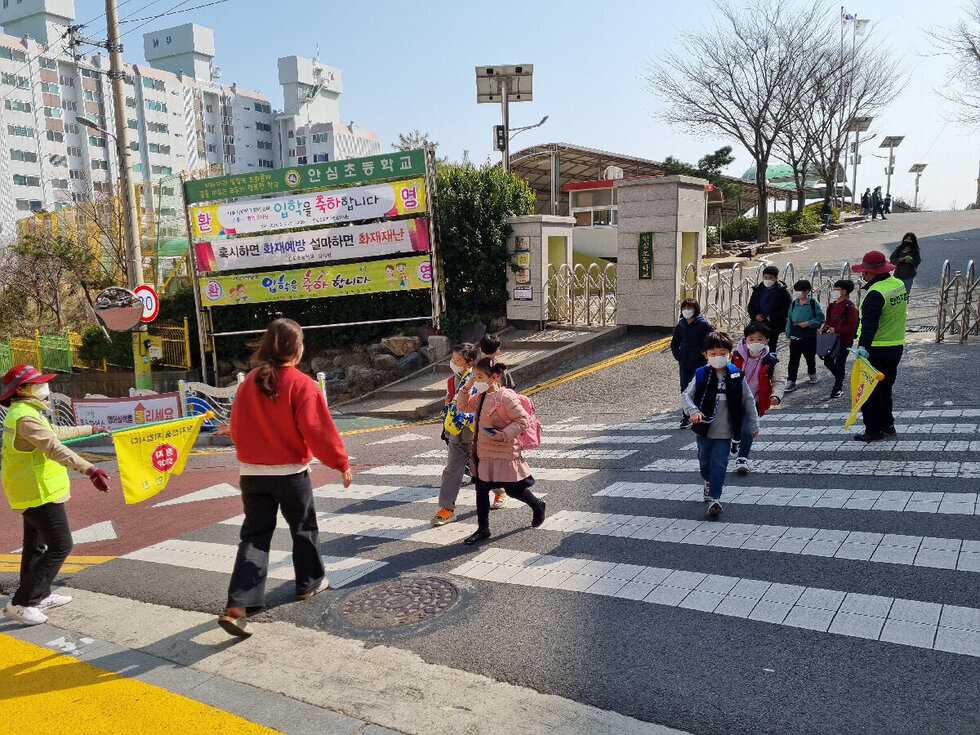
486 447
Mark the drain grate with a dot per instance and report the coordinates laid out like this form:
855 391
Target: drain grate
402 601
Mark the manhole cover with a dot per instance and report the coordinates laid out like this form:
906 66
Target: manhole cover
399 602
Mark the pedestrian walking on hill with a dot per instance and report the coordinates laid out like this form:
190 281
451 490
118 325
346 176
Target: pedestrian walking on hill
718 400
866 202
881 339
457 429
766 377
497 460
36 483
842 320
279 422
887 204
687 345
906 258
769 304
805 316
877 204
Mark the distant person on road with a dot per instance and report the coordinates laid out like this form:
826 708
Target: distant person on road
866 202
718 400
490 347
881 339
805 317
906 259
842 320
766 378
887 204
877 204
457 429
769 304
36 483
826 212
687 345
279 422
497 460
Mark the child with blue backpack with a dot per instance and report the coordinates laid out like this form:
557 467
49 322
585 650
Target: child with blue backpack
717 401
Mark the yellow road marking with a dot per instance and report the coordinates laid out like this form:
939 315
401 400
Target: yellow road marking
73 559
44 691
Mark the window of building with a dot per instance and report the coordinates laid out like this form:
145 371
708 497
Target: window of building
71 128
290 134
155 127
267 128
291 153
75 174
52 112
103 187
50 88
69 105
152 147
301 160
264 145
134 145
58 160
45 63
11 53
93 96
17 105
55 136
99 165
96 142
131 124
66 81
212 148
158 170
131 102
21 180
18 155
320 158
208 108
138 167
59 183
74 150
265 163
15 81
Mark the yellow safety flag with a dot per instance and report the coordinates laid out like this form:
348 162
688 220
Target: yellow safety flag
149 455
864 378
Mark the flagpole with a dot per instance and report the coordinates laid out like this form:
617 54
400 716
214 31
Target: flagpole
206 414
847 133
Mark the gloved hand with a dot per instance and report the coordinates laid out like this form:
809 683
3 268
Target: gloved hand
861 352
100 429
99 478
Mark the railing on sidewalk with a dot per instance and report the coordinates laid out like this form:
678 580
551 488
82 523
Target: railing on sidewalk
582 295
959 303
54 351
175 344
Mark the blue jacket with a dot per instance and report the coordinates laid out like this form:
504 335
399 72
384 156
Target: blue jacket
687 344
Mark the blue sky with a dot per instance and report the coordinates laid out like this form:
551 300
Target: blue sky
410 65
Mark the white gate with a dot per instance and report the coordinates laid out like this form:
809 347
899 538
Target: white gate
582 296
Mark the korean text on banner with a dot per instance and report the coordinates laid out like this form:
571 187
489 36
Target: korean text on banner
149 455
375 276
314 246
309 210
864 378
351 171
121 413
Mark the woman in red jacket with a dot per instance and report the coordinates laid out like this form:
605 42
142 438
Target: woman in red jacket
842 319
279 422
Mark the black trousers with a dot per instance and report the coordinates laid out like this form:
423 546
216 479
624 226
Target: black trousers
47 543
262 497
838 367
515 490
805 347
877 410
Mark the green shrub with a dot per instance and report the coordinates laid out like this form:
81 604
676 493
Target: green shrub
117 351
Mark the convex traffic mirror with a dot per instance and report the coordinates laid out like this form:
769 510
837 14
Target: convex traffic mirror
118 308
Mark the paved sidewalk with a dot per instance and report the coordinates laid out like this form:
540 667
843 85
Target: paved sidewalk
291 679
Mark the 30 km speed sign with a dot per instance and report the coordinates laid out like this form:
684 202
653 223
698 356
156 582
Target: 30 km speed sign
151 303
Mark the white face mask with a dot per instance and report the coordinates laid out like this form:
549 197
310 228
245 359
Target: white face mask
718 361
755 348
40 391
835 294
797 294
768 282
459 370
687 313
481 386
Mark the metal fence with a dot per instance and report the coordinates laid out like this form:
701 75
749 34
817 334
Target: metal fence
54 351
175 344
582 295
959 303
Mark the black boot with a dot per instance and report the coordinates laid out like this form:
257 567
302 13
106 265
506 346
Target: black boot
480 535
538 518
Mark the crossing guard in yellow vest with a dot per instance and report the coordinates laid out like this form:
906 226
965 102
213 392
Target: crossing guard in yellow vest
36 484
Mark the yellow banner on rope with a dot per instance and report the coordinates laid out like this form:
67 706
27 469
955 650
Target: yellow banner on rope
864 378
149 455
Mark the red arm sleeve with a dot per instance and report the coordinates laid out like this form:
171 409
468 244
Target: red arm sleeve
850 324
317 428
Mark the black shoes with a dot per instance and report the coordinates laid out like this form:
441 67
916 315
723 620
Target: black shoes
890 431
538 518
866 437
480 535
685 423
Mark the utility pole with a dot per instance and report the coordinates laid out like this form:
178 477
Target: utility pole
134 251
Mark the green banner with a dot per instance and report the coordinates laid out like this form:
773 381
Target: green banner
342 173
317 282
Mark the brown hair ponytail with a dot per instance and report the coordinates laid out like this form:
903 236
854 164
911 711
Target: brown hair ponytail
281 343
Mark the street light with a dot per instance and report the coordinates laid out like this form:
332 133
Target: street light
857 125
891 142
504 83
917 169
515 131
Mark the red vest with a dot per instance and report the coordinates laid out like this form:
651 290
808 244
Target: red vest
764 394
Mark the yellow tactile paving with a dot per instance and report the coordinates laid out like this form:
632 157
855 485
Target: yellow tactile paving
42 691
74 563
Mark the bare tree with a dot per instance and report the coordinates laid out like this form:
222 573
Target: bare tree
744 77
962 43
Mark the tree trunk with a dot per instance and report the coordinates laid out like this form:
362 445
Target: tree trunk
762 233
801 197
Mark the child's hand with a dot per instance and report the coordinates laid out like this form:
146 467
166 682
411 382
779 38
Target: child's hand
755 434
697 417
774 401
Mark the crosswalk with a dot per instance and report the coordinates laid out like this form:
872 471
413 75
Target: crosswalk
643 495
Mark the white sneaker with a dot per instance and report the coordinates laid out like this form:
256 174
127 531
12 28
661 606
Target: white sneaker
25 615
53 600
714 510
742 466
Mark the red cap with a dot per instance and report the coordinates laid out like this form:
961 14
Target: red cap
20 375
874 261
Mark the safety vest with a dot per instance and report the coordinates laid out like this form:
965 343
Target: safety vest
29 478
891 326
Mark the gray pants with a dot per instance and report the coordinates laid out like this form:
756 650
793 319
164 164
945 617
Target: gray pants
452 476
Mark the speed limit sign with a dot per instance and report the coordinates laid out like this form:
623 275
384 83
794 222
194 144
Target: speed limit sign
151 303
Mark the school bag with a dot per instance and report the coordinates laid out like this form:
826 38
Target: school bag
531 436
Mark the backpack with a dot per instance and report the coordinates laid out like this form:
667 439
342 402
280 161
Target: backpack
531 436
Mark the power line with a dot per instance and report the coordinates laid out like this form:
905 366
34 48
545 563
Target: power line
168 11
173 12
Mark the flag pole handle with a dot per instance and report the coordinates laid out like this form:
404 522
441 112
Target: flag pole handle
878 375
207 415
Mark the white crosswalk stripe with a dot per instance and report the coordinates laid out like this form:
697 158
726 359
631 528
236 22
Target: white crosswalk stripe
849 445
877 468
378 526
532 454
388 494
435 470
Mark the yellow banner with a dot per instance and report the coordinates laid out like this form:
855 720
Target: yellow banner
864 378
149 455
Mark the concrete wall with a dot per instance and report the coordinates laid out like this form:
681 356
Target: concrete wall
540 229
667 206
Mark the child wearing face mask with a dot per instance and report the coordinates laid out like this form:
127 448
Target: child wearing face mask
36 483
842 319
718 401
769 304
765 376
804 318
686 345
458 432
497 460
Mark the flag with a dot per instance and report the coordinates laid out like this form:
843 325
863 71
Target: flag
864 378
149 455
846 18
861 25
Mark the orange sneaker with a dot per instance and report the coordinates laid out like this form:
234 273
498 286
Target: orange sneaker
499 501
443 517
